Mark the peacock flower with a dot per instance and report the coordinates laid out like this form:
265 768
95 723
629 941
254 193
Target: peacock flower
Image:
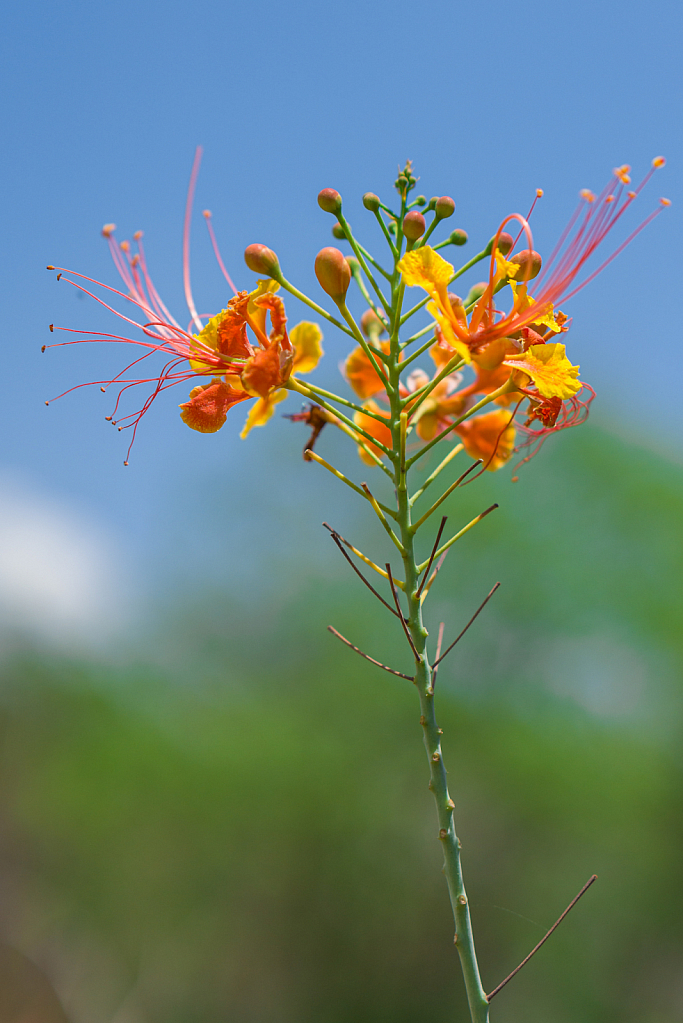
238 357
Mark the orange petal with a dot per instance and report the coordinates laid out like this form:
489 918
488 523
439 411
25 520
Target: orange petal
263 372
375 429
362 375
490 437
208 407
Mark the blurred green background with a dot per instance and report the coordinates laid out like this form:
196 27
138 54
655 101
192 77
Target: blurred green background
230 820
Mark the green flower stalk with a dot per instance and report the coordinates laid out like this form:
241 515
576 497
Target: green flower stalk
501 384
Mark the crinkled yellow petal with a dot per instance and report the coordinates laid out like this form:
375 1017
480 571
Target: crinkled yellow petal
262 411
308 351
524 301
549 368
425 268
504 268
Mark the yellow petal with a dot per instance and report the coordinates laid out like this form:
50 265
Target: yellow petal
262 411
425 268
549 368
459 347
207 338
306 338
545 316
504 268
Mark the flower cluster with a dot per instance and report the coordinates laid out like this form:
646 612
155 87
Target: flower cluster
500 346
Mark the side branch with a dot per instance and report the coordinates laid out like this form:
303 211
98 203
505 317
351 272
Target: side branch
481 607
543 940
338 540
400 613
367 656
444 520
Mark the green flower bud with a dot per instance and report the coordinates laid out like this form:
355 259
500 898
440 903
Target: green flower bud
505 243
414 225
420 200
475 292
333 273
432 203
529 263
354 265
262 260
338 231
458 237
444 207
330 201
371 202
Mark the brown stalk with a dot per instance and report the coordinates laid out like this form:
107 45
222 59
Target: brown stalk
435 548
367 656
339 540
400 612
459 637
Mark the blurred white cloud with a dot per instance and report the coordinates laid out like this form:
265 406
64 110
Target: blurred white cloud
62 577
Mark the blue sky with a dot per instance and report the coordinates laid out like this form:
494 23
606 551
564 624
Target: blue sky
105 103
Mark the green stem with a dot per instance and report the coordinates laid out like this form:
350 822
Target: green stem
438 784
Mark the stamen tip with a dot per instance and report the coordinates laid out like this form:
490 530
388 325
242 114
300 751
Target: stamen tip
49 268
52 328
125 463
631 195
108 418
102 389
108 230
658 161
124 246
539 193
138 235
207 214
665 202
59 277
586 194
43 347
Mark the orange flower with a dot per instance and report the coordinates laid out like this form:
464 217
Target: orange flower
490 437
362 375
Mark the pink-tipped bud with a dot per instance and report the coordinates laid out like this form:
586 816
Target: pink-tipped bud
444 207
529 263
371 202
330 200
414 225
333 273
370 324
505 243
262 260
475 292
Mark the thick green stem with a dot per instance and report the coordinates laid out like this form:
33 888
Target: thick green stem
464 941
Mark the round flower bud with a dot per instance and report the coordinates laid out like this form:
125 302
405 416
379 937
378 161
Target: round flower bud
371 202
338 231
262 260
475 292
333 273
458 237
432 203
444 207
354 265
505 243
370 324
414 225
529 263
420 200
330 200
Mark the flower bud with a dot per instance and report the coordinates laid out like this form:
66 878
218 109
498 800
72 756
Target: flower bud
370 324
432 203
458 237
330 200
414 225
529 263
444 207
420 200
333 273
262 260
354 265
475 292
371 202
338 231
505 243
